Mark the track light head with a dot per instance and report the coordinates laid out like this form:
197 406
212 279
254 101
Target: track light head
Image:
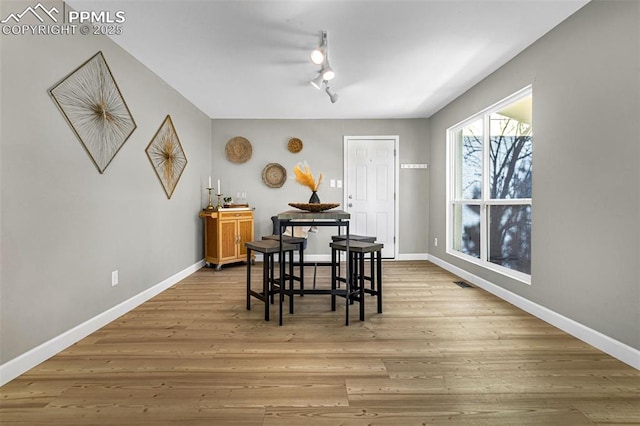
332 95
317 82
319 54
327 72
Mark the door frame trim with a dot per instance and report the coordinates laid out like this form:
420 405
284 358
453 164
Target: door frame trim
396 178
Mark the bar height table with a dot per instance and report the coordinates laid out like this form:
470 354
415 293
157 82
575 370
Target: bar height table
337 218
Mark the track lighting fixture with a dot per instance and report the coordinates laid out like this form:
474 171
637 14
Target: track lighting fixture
332 95
320 56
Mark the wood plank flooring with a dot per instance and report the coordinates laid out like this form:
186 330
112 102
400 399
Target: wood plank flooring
439 354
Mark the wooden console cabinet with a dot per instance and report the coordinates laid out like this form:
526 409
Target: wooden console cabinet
225 232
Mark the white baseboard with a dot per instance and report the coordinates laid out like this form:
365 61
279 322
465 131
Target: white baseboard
25 362
615 348
413 256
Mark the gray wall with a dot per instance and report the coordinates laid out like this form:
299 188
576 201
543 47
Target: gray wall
64 226
323 151
586 182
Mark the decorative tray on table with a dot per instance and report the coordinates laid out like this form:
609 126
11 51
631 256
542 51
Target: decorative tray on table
314 207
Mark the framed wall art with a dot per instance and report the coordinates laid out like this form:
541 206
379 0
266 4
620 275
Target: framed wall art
92 104
167 156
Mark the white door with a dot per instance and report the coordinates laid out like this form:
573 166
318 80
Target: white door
370 188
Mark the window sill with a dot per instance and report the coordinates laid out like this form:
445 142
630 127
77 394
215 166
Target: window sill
509 273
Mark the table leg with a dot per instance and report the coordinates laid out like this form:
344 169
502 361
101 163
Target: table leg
281 287
248 280
349 271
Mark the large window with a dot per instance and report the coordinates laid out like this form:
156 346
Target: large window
489 181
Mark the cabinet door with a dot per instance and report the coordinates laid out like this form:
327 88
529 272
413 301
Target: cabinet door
245 231
227 240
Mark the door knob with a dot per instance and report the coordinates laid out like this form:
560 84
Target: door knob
350 197
350 204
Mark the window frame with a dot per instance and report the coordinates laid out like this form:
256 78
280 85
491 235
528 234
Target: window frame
484 202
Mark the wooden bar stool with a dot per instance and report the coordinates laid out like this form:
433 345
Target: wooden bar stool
349 293
355 283
300 244
270 283
352 237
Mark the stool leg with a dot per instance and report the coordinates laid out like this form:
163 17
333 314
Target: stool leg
315 273
338 267
354 276
349 284
371 261
272 275
248 279
379 279
346 309
281 286
301 262
361 288
266 286
290 279
333 279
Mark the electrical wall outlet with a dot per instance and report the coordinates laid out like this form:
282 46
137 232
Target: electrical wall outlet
435 241
114 278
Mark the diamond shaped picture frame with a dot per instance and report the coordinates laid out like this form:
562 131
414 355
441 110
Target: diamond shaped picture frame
167 156
95 109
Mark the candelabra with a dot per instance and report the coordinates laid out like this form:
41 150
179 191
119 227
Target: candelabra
210 206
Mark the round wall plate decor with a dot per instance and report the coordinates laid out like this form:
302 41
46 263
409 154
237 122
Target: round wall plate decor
238 149
294 145
274 175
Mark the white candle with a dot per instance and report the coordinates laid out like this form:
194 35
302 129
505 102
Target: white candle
219 192
209 182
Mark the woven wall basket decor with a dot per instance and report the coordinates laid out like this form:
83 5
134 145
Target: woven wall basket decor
294 145
274 175
238 150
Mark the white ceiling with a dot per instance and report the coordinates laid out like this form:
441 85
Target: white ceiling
393 59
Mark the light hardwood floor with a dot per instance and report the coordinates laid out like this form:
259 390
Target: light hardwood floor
439 354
